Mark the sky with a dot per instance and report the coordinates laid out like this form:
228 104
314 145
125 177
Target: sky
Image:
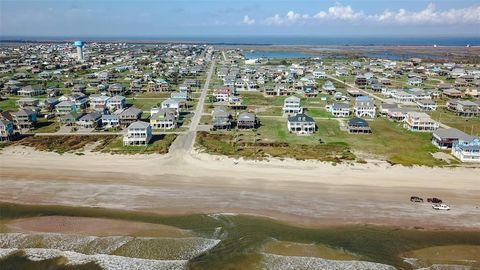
157 18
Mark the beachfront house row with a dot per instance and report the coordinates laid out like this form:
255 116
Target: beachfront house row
466 108
165 118
467 150
339 109
364 107
139 134
6 130
420 121
246 120
444 138
301 124
291 106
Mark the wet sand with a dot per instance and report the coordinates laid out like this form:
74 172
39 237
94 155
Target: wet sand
302 193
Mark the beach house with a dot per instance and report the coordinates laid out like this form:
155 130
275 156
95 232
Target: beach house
339 109
128 115
116 103
358 126
165 118
221 118
139 134
291 106
364 107
301 124
419 121
98 102
444 138
246 120
24 119
467 150
6 130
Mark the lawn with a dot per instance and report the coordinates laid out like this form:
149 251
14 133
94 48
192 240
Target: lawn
46 126
388 141
317 112
257 98
144 104
158 145
467 125
9 104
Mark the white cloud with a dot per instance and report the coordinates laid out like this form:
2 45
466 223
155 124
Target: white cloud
430 15
247 20
339 12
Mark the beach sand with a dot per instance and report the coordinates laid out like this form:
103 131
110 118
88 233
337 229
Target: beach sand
307 193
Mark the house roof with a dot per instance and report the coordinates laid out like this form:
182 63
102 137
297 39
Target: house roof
451 133
139 124
300 117
357 122
246 116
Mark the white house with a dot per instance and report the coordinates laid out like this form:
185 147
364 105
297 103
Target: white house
364 107
291 105
301 124
139 133
467 150
419 121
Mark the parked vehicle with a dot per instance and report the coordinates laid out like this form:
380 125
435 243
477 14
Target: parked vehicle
416 199
439 206
434 200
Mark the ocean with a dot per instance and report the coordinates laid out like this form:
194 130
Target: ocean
269 40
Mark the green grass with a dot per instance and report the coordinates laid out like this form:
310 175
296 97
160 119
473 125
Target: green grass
46 126
158 145
63 144
144 104
317 112
467 125
389 141
9 104
257 98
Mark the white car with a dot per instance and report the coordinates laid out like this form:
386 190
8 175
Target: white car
441 207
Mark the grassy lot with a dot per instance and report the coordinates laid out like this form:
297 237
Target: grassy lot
144 104
63 144
228 144
388 141
206 120
257 98
317 112
163 95
159 145
105 143
46 126
270 111
467 125
8 104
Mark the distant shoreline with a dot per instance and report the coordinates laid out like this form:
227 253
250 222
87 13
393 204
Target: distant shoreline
262 40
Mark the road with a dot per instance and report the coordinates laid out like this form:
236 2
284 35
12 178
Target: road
184 142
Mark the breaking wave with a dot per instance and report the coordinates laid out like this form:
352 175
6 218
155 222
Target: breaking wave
278 262
107 262
156 248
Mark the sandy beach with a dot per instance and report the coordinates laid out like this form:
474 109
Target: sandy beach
307 193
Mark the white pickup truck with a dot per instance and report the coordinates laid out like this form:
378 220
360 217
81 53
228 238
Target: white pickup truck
439 206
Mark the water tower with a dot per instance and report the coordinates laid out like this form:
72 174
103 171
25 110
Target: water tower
79 44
